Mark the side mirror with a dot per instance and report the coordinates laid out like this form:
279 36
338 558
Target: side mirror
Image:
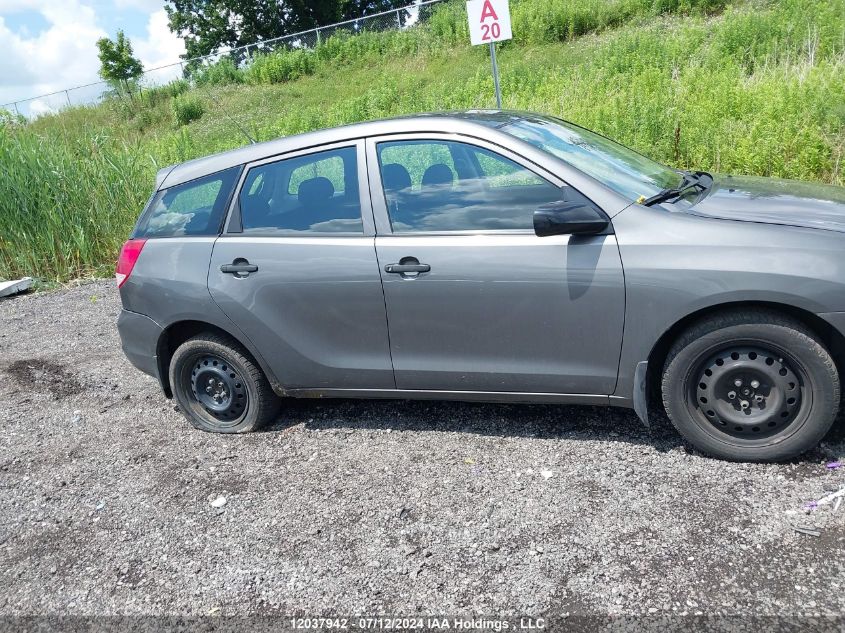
569 218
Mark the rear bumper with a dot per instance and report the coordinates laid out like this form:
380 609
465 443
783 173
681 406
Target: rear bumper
139 336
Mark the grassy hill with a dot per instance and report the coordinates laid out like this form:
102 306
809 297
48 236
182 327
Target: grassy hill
754 87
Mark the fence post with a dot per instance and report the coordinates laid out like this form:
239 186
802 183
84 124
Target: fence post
18 112
67 95
318 37
399 18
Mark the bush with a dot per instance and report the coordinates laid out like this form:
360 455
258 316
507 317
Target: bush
448 22
280 66
187 109
175 88
221 73
158 94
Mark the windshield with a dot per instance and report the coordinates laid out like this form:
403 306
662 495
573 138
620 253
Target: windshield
625 171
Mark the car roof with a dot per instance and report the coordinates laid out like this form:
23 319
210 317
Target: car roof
467 122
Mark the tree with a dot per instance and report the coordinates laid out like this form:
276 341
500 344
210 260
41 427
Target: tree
208 26
117 64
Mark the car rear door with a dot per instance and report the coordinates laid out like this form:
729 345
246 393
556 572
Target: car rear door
296 270
475 300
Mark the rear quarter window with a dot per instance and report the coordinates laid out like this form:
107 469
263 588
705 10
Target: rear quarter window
192 208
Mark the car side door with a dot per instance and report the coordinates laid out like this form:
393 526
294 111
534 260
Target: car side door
476 301
296 270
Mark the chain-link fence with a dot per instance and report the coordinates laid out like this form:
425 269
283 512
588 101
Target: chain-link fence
406 17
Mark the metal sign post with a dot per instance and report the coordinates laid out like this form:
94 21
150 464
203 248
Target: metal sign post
496 75
490 22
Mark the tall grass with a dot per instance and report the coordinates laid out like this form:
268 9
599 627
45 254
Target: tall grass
535 22
756 87
66 205
281 66
561 20
222 72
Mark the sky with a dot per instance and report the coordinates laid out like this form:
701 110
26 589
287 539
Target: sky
50 45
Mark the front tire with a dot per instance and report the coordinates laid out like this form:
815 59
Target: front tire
751 385
219 388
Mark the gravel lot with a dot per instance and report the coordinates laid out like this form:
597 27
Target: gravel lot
370 506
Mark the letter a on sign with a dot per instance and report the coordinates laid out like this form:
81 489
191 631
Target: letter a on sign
487 11
489 21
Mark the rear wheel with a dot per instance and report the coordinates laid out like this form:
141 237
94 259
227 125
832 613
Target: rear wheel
751 385
219 388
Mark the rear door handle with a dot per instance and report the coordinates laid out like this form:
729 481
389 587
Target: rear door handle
407 268
240 268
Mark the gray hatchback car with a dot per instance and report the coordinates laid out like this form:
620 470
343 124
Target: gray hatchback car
493 256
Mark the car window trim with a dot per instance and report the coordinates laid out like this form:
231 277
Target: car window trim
234 225
379 203
463 232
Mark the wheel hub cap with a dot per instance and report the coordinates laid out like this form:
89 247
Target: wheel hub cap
218 388
748 392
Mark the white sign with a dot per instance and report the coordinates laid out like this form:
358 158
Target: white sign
489 21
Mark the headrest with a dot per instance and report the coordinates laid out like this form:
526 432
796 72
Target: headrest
264 191
437 174
395 177
315 190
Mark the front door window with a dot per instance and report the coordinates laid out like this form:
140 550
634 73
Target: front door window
442 186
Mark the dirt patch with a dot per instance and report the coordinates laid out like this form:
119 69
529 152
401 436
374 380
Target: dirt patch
45 375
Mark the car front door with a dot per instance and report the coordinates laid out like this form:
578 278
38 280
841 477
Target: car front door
475 300
296 270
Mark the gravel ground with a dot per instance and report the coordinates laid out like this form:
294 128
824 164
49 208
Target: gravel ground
375 507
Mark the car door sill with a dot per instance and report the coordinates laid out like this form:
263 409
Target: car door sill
473 396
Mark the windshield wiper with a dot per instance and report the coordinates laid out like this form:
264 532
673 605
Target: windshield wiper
690 181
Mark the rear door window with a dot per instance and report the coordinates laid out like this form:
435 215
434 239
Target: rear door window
192 208
315 193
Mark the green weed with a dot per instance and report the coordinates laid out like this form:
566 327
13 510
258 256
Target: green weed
187 109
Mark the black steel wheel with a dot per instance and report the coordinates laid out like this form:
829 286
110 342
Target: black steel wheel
751 385
219 387
750 392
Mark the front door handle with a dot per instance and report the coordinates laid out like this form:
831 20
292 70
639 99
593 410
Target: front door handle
407 265
407 268
240 268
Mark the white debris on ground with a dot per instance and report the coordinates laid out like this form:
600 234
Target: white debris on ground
8 288
812 507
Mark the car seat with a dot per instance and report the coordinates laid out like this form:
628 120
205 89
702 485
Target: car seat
438 174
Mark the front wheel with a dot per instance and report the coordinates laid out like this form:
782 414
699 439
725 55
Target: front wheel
751 385
219 388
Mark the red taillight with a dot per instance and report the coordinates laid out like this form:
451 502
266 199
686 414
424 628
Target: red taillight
126 262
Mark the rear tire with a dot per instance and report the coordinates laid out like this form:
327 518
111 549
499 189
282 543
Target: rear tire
219 388
751 385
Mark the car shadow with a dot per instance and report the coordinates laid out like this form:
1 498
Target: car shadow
543 421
